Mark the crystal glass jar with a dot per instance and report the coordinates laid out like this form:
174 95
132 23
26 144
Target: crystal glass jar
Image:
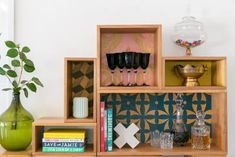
189 33
200 132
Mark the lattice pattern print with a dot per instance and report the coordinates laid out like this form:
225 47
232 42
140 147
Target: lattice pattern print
155 111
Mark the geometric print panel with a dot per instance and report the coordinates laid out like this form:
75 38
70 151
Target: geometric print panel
156 111
82 81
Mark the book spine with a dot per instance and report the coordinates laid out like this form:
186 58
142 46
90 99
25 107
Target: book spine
105 131
63 140
58 149
64 144
53 135
110 129
102 126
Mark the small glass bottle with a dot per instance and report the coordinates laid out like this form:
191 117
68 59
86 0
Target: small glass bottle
200 132
181 135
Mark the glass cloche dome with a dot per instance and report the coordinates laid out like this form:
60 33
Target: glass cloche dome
189 33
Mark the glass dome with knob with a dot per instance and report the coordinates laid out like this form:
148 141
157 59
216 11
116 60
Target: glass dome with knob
189 33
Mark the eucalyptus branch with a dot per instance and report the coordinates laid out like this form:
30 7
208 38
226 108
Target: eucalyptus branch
19 60
21 72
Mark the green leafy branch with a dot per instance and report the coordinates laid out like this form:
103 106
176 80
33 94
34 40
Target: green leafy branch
18 65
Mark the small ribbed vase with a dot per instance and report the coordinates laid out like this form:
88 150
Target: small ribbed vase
80 107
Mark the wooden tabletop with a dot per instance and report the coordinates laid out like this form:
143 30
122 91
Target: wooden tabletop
25 153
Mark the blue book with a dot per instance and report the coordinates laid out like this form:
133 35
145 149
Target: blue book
64 144
105 130
110 129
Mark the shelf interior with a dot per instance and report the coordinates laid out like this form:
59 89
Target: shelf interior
214 76
156 111
39 129
79 120
122 40
79 83
146 149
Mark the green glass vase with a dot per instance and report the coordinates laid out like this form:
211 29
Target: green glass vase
16 126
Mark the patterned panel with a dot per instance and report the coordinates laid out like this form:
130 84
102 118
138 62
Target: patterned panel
82 81
155 111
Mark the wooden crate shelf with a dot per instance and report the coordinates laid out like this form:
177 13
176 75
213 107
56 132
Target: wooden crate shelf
214 105
215 76
145 89
172 89
130 156
213 84
58 121
43 124
80 74
146 149
211 95
198 89
136 38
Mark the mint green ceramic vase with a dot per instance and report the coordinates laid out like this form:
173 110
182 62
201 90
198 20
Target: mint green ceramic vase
16 126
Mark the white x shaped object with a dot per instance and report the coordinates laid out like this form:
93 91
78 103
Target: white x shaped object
126 135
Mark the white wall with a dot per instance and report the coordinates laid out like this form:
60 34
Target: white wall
6 33
58 28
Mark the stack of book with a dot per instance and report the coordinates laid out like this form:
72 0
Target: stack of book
106 128
64 140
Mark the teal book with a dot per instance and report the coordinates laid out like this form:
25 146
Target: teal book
62 149
110 129
105 131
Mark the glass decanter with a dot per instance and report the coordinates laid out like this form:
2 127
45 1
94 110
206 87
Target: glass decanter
189 33
200 132
181 135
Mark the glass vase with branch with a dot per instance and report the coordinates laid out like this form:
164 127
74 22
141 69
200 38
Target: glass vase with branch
16 121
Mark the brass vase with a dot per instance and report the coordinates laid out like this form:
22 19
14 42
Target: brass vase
191 73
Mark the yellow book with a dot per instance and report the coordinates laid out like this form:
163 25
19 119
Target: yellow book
65 133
